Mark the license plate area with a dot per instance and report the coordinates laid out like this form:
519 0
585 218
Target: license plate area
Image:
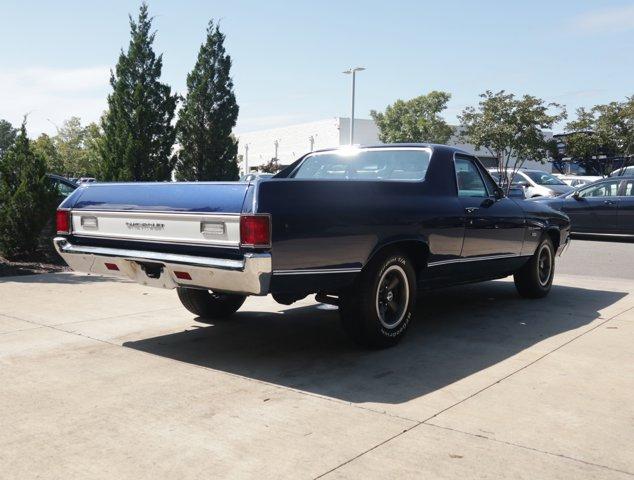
152 270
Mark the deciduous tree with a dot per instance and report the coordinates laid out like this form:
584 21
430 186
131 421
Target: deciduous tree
600 135
510 128
415 120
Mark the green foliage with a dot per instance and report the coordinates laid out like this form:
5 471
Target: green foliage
7 136
138 131
272 166
44 146
76 145
415 120
603 131
26 198
207 148
73 152
511 128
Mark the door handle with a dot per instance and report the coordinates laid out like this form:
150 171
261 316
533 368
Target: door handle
471 209
609 202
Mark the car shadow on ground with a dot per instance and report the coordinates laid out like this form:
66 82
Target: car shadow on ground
456 332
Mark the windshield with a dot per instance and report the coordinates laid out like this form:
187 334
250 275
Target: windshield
543 178
373 164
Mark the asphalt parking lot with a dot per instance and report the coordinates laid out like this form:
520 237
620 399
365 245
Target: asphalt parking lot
107 379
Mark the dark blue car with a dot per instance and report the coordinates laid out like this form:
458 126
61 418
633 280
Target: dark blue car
605 207
363 228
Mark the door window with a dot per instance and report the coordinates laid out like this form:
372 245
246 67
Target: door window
64 190
605 189
629 188
470 183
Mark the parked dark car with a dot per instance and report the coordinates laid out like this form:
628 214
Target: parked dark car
61 185
362 228
603 207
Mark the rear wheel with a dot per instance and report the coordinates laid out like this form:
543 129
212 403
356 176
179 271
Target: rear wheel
535 278
377 311
207 304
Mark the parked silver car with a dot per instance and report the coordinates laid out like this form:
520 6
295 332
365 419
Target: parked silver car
535 183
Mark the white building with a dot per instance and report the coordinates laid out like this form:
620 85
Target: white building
289 143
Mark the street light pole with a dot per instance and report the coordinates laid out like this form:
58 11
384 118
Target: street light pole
246 158
353 72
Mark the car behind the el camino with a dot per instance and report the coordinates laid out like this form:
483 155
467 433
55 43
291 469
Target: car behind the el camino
363 228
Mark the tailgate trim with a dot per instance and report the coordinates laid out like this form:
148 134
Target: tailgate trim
175 227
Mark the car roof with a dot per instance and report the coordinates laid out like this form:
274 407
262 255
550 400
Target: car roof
434 146
61 179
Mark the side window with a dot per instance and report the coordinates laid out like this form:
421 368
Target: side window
64 190
604 189
519 180
470 183
629 188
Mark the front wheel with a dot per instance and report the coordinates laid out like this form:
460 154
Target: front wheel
535 278
208 304
377 311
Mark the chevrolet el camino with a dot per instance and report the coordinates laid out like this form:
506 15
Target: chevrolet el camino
363 228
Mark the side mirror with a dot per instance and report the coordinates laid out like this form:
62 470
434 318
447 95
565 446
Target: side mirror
576 195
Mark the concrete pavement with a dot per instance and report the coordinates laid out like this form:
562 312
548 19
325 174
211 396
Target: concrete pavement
106 379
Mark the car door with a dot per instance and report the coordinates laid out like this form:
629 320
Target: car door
625 212
593 209
494 224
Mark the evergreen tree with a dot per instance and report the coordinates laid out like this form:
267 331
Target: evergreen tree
208 151
26 198
137 127
7 136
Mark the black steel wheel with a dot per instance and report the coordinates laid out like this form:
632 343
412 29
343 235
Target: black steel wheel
535 278
377 310
208 304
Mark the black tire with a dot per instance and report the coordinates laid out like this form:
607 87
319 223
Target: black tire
208 304
376 312
535 278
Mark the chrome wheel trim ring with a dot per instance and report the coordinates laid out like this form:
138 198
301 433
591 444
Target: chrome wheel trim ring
398 294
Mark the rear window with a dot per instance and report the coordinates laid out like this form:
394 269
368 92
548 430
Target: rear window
375 164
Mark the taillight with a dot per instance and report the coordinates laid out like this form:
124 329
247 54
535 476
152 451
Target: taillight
255 231
62 219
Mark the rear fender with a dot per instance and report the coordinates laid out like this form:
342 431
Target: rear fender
416 248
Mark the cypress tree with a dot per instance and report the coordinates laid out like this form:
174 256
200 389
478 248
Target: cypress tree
26 198
138 131
208 151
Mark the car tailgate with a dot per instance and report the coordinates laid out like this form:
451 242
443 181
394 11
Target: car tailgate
200 213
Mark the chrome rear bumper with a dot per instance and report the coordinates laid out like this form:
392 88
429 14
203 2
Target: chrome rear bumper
250 275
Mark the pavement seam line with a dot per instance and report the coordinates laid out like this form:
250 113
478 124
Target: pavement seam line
424 422
533 449
529 364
